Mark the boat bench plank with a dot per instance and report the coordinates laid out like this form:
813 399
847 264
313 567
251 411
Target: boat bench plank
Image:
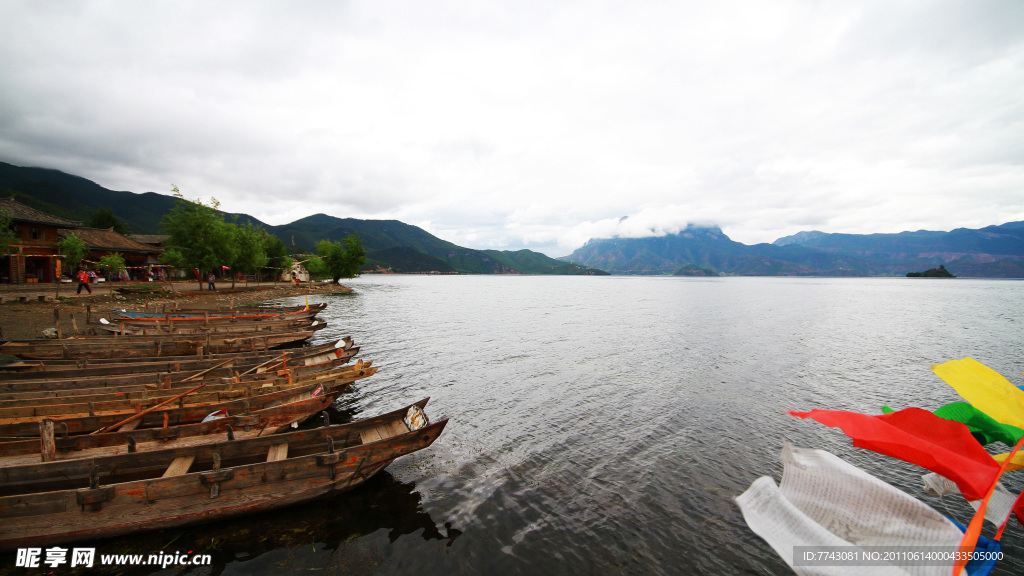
383 432
180 466
277 452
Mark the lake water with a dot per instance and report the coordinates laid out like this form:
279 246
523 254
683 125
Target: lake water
604 424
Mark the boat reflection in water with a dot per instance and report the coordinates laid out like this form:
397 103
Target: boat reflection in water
319 535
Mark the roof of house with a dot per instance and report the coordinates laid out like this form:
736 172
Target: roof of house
153 239
22 213
107 239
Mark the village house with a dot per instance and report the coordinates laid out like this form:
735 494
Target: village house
33 254
104 241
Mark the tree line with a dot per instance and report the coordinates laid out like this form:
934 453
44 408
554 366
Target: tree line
201 238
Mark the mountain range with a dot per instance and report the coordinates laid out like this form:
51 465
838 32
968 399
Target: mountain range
389 244
993 251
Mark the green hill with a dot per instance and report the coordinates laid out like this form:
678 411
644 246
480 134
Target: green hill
388 243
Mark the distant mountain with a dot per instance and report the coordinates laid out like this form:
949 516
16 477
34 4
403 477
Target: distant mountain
995 251
709 248
388 243
74 197
423 251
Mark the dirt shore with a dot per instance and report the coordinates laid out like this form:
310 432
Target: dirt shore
25 313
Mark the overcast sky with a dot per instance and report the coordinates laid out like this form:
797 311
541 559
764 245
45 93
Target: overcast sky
534 124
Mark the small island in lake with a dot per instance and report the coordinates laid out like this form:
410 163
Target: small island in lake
939 272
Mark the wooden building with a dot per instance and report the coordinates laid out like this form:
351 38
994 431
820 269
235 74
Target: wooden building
32 256
104 241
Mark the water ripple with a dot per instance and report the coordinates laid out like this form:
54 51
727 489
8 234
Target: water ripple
606 424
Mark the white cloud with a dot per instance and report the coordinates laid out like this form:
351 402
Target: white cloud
534 124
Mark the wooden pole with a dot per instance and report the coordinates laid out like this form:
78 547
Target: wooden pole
48 446
204 372
147 411
269 365
56 321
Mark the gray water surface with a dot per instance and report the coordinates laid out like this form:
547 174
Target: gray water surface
604 425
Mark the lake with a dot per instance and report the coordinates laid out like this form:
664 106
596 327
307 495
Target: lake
605 424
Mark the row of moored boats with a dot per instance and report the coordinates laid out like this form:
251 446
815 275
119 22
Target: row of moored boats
164 418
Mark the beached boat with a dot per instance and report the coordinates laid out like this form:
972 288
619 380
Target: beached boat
73 385
35 369
68 500
95 401
231 327
254 424
197 314
182 413
152 345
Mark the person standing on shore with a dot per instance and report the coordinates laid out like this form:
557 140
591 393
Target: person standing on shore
210 281
83 280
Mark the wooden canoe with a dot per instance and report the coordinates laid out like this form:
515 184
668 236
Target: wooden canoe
43 388
152 345
218 313
170 319
256 423
132 329
186 414
214 391
67 500
31 369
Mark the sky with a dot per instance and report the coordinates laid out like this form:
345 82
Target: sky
534 124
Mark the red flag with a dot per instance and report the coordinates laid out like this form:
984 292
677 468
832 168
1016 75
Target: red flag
919 437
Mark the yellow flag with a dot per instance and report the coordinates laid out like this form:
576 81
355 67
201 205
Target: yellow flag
1015 464
985 389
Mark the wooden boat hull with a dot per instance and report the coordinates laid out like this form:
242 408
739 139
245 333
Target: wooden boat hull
98 510
255 424
29 427
214 391
35 369
171 320
155 345
154 382
219 313
240 328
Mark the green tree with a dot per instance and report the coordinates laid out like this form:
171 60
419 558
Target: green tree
73 249
315 265
251 249
7 233
105 218
344 258
112 264
200 238
277 256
